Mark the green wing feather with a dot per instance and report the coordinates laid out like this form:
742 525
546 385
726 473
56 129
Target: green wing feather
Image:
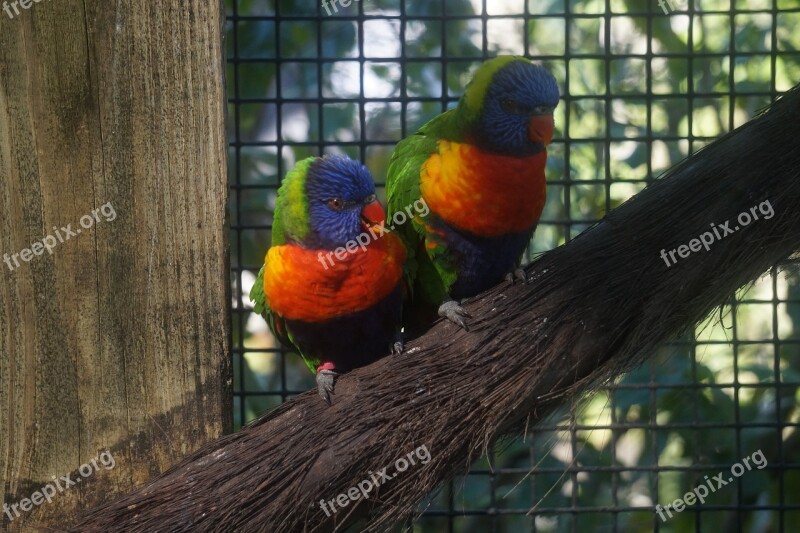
428 268
257 295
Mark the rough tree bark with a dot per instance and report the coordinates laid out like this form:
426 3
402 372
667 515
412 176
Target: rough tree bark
118 340
596 306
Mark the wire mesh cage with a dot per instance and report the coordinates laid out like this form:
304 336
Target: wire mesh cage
644 84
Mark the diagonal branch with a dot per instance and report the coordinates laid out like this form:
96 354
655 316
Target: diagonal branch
596 307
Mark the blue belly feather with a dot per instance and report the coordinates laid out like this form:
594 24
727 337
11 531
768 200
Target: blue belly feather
482 262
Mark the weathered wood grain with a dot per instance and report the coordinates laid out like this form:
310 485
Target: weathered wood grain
118 339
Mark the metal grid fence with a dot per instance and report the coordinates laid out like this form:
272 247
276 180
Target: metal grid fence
644 84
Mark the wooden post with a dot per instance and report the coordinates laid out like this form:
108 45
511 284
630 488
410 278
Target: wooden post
114 332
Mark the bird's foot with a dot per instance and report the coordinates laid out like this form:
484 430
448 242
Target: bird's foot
397 347
518 275
452 311
326 379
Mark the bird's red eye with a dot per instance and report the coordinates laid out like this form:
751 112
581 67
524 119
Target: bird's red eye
510 106
336 204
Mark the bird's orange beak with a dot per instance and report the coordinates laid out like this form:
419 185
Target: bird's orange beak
540 129
373 215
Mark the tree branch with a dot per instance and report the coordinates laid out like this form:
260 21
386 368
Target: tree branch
596 307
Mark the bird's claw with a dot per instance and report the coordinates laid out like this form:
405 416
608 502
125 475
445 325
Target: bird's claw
326 379
518 274
452 311
397 347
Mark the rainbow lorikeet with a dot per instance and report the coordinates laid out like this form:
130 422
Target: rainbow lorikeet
331 287
480 169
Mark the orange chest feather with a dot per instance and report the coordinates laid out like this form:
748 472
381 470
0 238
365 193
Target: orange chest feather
312 286
485 194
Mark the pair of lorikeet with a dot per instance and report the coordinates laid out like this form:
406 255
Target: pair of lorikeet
479 168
